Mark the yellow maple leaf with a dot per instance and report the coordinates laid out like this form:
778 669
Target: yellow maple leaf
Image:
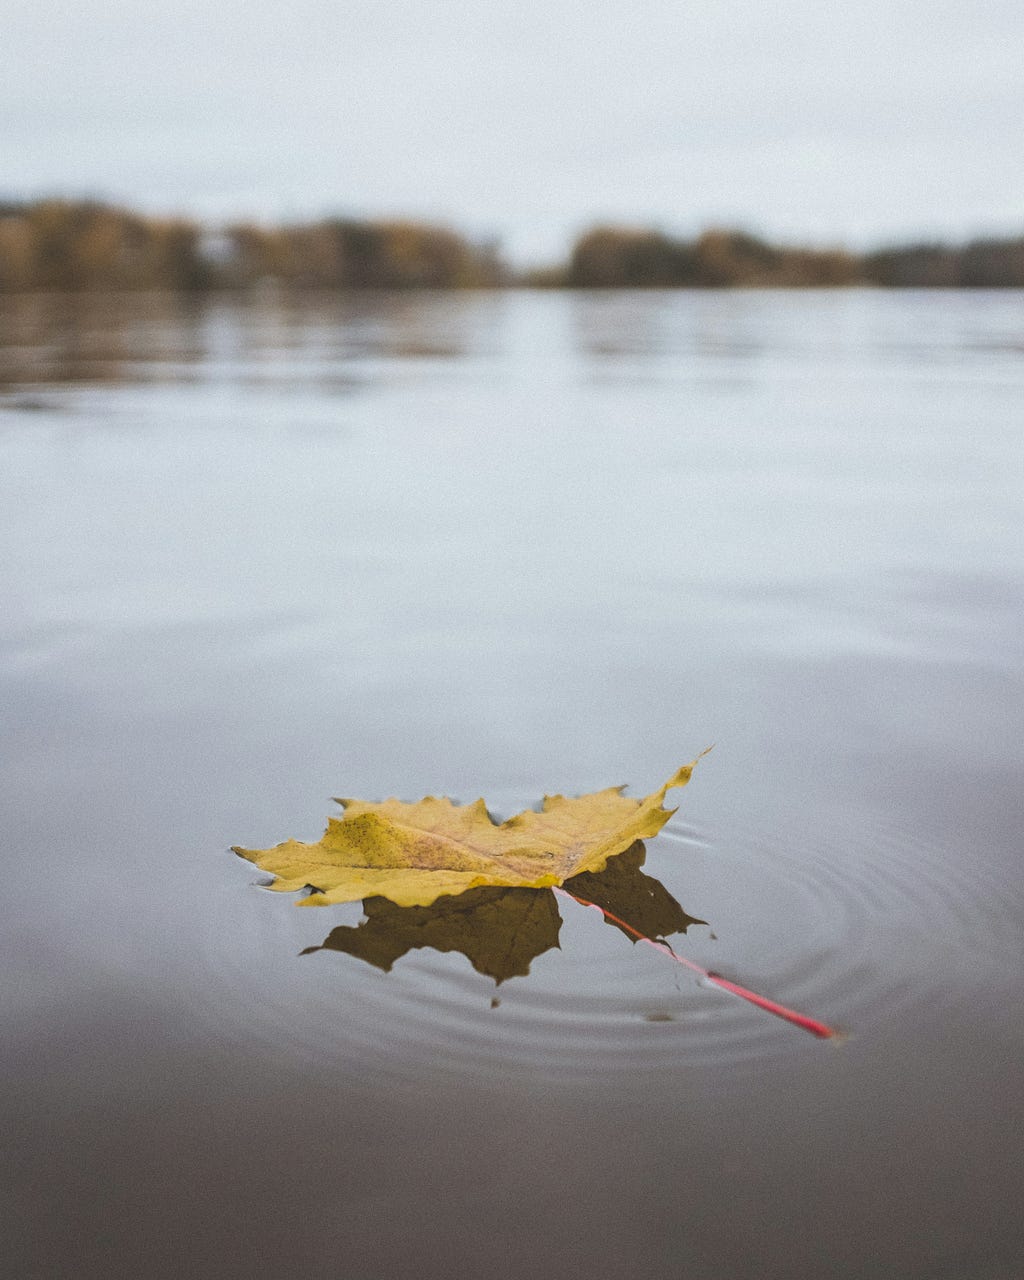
413 854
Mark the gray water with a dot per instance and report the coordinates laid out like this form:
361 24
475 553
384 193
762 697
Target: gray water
261 553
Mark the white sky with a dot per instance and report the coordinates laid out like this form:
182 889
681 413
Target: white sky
796 119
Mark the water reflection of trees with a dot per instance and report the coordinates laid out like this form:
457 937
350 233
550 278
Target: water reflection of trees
271 336
68 338
501 931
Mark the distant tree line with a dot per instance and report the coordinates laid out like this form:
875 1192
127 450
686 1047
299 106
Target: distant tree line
339 253
982 264
609 257
615 257
73 245
81 245
62 244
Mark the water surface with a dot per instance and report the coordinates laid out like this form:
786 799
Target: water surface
263 552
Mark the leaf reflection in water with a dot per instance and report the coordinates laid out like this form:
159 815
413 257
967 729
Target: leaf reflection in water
501 931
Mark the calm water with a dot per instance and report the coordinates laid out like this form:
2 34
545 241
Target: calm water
260 554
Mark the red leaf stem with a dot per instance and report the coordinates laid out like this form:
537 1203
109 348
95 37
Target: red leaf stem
819 1029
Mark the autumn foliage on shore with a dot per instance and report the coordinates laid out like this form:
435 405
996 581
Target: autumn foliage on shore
79 245
616 257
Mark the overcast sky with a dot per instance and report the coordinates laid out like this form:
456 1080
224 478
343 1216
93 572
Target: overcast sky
528 121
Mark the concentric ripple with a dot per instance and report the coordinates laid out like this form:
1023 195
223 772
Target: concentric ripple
857 929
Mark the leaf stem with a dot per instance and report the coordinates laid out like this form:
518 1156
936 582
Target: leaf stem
819 1029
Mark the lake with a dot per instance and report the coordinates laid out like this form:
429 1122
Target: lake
261 552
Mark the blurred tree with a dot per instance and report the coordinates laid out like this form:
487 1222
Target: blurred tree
913 267
348 254
616 257
60 244
17 252
993 264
